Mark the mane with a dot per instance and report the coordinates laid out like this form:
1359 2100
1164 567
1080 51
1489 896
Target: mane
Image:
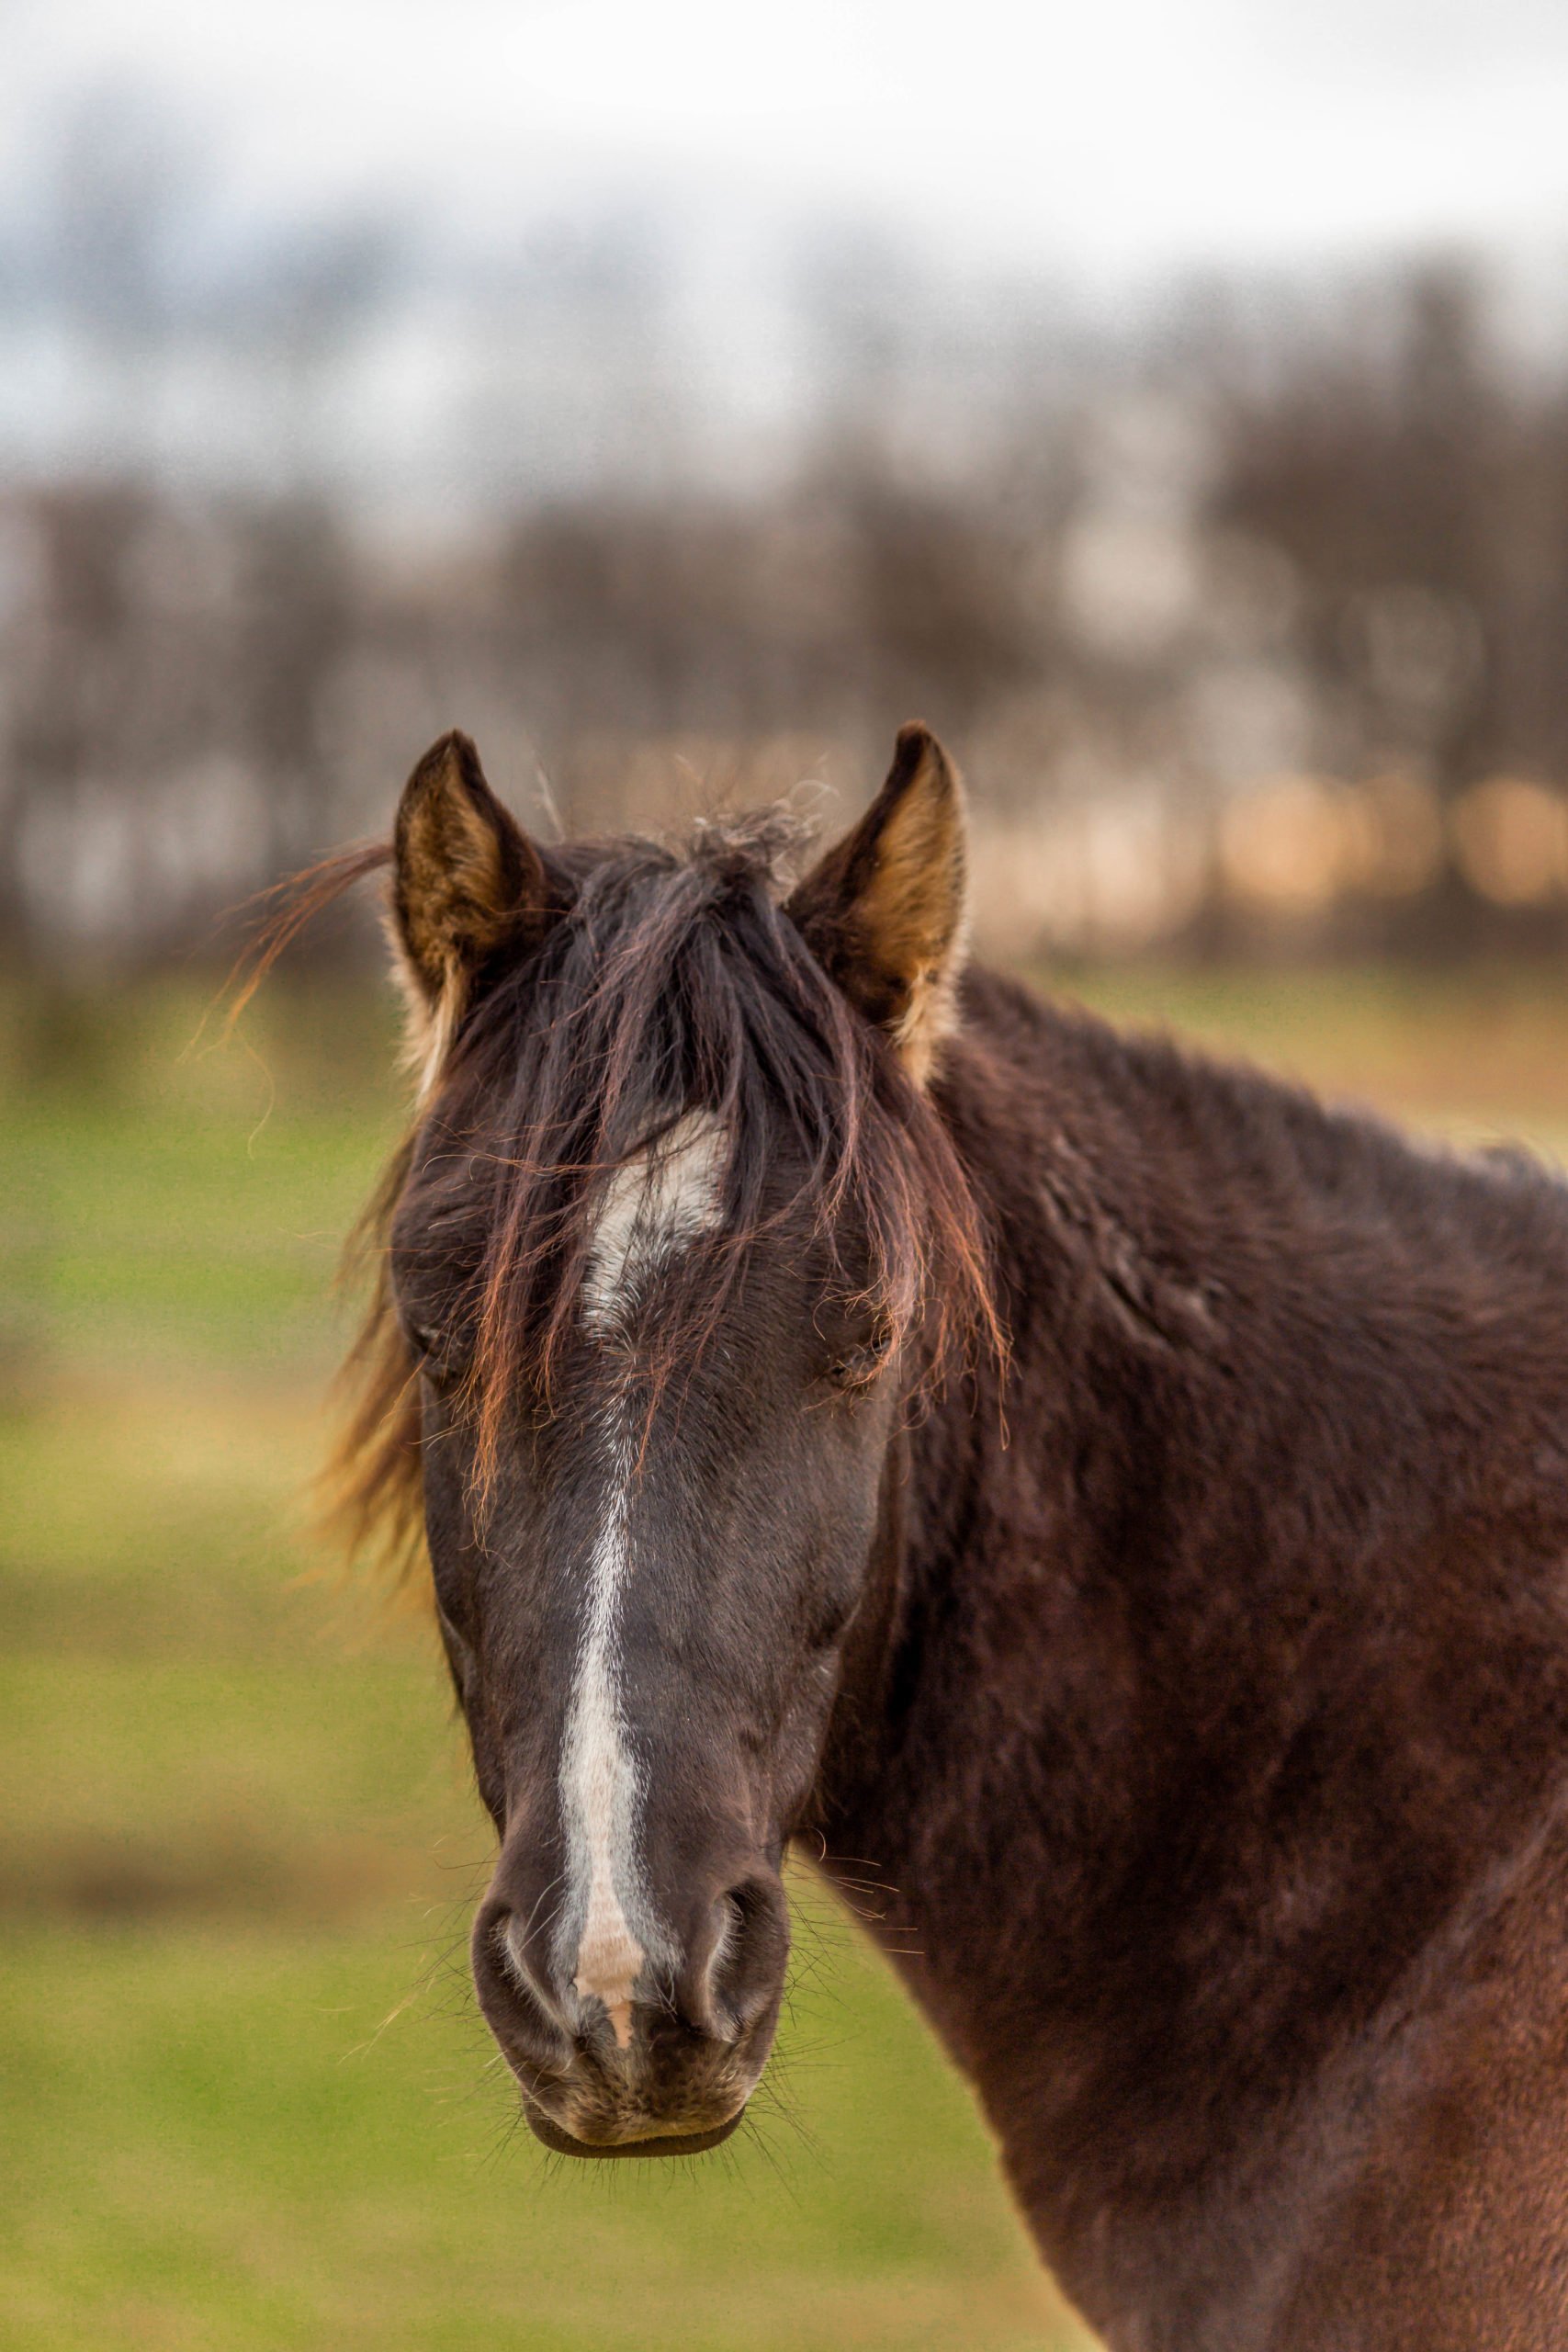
671 981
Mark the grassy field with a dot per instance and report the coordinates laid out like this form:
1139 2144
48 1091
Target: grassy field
244 2099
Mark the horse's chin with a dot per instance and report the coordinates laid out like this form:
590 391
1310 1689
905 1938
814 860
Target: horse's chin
667 2144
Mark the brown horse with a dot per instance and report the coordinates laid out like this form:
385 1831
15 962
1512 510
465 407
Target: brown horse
1123 1503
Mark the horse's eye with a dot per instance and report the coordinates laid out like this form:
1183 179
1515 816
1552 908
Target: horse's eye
859 1366
439 1359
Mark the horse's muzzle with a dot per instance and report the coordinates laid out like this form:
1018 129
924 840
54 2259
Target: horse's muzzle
671 2078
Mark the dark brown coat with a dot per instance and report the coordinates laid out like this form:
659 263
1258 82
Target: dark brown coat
1217 1725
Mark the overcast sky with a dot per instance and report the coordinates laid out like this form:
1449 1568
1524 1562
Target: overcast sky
1118 140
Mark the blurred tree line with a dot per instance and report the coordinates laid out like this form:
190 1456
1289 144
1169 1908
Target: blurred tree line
1248 639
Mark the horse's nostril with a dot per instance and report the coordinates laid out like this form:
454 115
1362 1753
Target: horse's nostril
509 1950
518 2005
746 1962
732 1922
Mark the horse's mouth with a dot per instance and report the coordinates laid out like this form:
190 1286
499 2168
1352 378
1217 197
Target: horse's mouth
668 2144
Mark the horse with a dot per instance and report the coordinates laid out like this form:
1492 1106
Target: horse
850 1405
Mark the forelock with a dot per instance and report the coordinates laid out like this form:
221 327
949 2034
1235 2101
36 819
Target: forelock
650 1069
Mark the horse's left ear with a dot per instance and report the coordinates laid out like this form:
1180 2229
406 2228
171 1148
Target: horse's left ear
465 881
886 910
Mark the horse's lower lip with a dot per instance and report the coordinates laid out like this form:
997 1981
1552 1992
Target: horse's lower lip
673 2144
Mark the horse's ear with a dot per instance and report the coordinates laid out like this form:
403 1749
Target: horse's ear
466 879
886 910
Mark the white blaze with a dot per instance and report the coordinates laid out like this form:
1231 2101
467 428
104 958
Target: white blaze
651 1208
652 1205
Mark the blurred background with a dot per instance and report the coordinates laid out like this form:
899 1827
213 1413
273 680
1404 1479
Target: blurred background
1170 406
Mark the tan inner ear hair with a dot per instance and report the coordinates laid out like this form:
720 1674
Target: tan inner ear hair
429 1023
916 908
911 913
453 898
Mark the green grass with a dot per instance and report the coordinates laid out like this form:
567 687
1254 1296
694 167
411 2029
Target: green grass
218 2138
244 2100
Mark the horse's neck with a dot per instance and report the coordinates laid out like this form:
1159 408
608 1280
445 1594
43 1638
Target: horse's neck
1130 1719
984 1756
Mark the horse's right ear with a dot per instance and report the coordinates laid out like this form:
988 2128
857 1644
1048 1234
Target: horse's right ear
886 910
466 879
